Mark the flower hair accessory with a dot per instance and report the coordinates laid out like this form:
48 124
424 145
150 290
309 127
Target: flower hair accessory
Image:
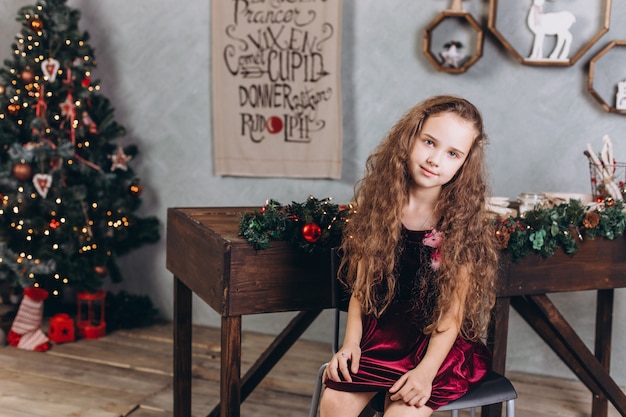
433 239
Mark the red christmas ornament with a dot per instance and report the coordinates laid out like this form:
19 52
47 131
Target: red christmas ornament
311 232
22 171
28 76
54 223
86 82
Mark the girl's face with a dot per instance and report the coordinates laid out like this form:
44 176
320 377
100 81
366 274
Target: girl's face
440 149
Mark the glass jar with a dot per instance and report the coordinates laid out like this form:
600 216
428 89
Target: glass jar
528 201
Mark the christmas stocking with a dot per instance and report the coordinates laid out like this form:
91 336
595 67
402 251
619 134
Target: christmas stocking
25 331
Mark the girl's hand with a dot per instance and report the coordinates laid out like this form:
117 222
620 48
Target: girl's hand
343 363
413 388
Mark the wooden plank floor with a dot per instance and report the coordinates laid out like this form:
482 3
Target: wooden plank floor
129 373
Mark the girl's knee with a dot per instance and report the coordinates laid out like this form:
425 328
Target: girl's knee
341 403
400 409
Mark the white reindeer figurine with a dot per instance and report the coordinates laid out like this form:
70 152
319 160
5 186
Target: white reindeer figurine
555 23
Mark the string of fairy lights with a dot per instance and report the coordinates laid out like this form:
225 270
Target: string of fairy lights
33 266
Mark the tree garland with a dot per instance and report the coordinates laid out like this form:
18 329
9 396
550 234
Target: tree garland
317 225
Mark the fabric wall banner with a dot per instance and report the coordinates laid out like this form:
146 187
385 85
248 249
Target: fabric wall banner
276 88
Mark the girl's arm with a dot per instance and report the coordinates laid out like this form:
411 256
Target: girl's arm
350 352
415 387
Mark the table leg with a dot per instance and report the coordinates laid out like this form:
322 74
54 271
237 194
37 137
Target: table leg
604 325
230 369
547 321
276 350
182 349
235 390
541 325
497 339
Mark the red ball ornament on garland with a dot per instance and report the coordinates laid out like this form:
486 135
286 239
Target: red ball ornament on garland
22 171
311 232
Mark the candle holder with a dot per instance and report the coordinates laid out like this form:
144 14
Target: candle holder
528 201
90 319
61 329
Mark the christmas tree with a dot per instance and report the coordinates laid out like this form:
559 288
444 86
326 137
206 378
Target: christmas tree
67 192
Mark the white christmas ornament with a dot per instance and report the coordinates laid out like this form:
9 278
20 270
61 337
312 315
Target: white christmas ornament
42 183
119 160
451 55
49 67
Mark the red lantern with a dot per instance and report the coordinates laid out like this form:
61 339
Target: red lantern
61 329
90 320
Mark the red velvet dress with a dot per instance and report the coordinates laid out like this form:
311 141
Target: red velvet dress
395 343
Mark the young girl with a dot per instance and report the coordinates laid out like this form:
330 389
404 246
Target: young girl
420 261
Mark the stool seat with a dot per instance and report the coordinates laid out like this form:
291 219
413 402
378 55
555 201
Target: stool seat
493 389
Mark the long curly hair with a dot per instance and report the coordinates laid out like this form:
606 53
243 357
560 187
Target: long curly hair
371 236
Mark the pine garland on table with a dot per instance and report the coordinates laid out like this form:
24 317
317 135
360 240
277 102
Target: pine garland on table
544 229
317 225
312 226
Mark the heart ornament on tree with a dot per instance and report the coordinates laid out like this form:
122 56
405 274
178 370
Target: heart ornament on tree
49 67
42 183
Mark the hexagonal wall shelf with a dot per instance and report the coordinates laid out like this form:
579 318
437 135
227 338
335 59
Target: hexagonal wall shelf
551 36
450 60
607 79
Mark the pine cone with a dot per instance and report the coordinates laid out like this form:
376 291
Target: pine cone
591 220
503 235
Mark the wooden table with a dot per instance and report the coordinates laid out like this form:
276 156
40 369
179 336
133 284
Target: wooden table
599 265
207 257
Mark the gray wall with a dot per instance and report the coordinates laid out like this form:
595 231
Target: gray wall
154 58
